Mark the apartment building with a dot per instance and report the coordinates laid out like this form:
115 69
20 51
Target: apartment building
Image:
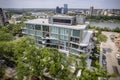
60 32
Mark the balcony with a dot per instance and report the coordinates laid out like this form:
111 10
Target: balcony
23 28
24 32
64 51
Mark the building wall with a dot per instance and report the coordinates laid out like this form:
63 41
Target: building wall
56 37
62 20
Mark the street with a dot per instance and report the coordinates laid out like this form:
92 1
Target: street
111 50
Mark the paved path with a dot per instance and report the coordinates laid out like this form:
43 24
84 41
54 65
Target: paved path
10 72
112 64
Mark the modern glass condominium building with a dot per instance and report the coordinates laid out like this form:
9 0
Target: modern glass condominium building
60 32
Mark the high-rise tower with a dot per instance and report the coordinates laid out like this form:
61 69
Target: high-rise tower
3 17
91 11
65 8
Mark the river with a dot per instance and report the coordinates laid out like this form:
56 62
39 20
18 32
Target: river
105 24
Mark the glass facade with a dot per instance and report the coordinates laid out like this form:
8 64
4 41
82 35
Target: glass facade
30 26
37 27
38 38
62 20
38 33
55 36
31 32
54 29
65 38
73 39
74 51
45 28
75 33
64 31
74 46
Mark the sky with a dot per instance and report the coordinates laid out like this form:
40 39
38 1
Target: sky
103 4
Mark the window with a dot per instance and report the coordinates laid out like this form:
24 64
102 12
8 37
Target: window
64 43
63 37
75 33
38 33
62 20
46 28
76 40
54 36
74 46
54 42
45 34
64 31
37 27
39 38
74 51
54 30
39 42
30 26
31 32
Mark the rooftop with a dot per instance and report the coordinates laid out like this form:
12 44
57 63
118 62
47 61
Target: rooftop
63 16
16 16
38 13
45 22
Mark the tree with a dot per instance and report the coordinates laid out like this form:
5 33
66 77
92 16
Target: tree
5 36
22 44
117 29
101 38
35 61
38 62
15 28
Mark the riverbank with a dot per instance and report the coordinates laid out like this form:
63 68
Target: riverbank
104 24
116 29
110 21
103 18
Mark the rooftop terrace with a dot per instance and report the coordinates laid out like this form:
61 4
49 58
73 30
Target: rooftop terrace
45 22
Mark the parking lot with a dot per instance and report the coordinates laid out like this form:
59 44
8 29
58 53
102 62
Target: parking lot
110 51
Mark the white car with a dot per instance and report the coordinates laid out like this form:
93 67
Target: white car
118 56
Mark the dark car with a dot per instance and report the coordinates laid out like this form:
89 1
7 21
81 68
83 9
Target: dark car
103 57
104 50
119 62
105 67
104 62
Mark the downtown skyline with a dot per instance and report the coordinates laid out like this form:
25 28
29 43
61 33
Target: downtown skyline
98 4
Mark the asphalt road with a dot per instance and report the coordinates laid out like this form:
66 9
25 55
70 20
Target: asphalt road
111 50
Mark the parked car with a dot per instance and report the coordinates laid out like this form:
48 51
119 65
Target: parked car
105 67
104 50
103 56
104 62
112 37
117 56
119 62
